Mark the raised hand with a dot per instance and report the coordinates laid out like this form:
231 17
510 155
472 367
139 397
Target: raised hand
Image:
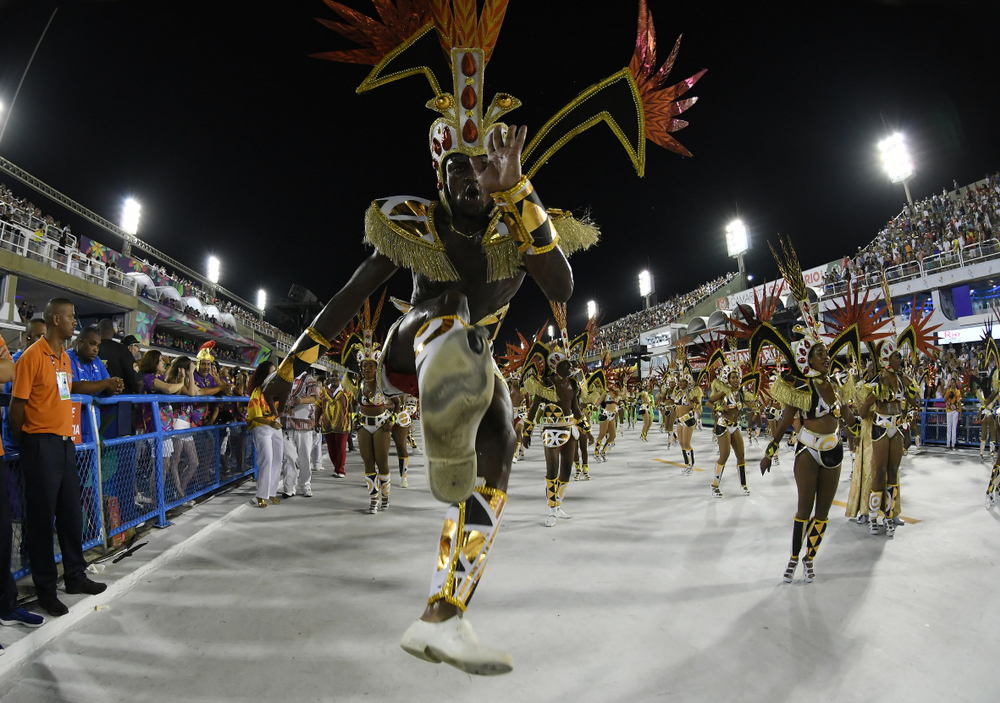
502 168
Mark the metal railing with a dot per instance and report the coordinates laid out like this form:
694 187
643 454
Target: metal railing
66 259
944 261
127 481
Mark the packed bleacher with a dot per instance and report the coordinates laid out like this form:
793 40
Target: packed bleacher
625 330
935 229
50 241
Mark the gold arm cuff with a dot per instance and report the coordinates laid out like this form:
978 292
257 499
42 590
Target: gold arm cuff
317 337
535 251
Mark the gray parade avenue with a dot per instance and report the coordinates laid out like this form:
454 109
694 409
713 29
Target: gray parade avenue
654 590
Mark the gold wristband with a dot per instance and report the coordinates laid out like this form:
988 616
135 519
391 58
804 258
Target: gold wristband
317 337
506 199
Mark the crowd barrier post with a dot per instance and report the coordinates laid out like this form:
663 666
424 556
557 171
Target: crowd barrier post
161 500
92 411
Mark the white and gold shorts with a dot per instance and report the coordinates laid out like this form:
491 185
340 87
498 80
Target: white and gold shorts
556 437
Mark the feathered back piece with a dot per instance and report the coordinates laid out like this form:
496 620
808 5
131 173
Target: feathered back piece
763 309
856 321
367 322
992 351
918 337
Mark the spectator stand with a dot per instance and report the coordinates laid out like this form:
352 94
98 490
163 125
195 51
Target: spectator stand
115 475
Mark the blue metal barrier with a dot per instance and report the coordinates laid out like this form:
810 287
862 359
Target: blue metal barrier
122 480
934 423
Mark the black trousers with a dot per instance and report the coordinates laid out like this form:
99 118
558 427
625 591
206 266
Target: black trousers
52 491
8 592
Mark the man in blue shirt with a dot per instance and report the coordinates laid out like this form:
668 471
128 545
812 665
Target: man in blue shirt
34 331
90 377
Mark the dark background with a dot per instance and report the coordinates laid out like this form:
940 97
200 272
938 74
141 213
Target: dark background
238 144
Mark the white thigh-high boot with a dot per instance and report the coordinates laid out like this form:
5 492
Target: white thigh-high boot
469 530
455 377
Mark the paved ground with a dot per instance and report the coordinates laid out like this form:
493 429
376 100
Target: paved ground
653 591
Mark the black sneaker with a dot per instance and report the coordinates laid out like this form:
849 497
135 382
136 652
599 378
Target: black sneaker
85 585
286 496
52 605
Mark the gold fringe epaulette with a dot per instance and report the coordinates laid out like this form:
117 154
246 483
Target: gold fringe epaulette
861 392
535 387
588 395
694 397
348 384
786 394
503 258
406 248
574 235
848 390
719 386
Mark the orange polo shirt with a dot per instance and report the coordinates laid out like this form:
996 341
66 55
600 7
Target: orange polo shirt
35 382
4 354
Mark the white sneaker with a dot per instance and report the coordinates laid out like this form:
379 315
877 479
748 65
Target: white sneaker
307 492
454 642
890 527
872 527
404 483
550 519
373 508
746 491
562 514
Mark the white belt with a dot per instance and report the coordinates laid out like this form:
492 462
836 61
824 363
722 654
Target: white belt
819 442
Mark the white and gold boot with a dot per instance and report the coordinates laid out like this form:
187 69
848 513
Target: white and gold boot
469 530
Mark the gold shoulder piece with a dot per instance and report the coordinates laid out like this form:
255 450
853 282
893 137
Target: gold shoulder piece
574 235
786 394
348 385
403 230
535 387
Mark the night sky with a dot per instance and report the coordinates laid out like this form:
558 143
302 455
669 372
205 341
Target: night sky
238 144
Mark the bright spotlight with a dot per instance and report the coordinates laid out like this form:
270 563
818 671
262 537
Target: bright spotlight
213 269
896 158
749 276
645 283
591 309
737 238
261 299
552 332
130 216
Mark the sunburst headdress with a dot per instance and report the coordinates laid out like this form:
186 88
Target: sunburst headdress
408 41
362 337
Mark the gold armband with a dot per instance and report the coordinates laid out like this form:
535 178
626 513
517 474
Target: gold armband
527 218
772 449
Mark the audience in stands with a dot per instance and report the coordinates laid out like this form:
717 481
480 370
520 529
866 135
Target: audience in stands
625 330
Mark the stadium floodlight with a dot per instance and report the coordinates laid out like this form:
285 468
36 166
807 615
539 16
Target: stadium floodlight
1 106
896 158
130 216
738 243
213 269
645 283
897 162
552 332
591 309
261 299
737 238
749 276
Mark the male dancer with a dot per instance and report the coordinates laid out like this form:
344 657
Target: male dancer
468 258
